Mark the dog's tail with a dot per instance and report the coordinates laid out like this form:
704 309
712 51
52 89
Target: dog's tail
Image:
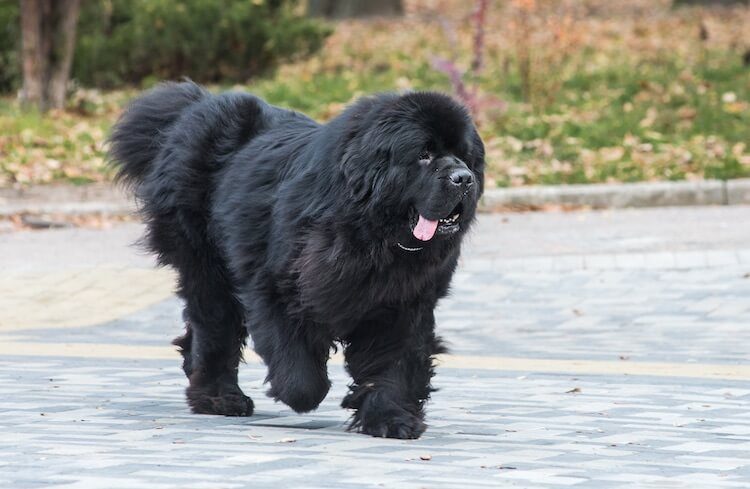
141 130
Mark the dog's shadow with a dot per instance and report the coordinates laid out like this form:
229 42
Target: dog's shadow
291 421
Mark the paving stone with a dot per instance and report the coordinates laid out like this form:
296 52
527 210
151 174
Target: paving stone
91 419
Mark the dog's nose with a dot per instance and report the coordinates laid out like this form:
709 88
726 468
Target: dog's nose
462 177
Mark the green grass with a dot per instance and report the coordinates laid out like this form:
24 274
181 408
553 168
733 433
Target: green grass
315 95
601 112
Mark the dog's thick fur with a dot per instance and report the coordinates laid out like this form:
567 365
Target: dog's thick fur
300 235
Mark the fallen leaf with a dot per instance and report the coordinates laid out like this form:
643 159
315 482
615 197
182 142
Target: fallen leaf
729 97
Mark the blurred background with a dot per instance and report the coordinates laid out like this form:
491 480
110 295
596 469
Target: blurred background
563 91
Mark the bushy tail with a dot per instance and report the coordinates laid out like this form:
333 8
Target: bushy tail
141 130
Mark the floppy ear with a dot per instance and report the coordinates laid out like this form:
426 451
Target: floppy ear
476 158
370 144
360 168
363 155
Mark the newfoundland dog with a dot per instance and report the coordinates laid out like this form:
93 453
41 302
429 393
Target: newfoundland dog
305 235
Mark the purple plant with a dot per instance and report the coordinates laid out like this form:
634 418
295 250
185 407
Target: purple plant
464 81
456 76
480 17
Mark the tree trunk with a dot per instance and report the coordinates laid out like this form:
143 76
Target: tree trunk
48 41
338 9
63 46
31 52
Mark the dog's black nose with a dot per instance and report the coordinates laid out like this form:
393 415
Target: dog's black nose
462 177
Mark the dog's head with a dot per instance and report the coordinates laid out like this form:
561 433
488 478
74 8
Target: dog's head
417 162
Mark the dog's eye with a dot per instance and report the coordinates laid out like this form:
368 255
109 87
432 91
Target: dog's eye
425 158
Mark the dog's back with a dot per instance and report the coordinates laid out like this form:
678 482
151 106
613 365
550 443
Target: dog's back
168 146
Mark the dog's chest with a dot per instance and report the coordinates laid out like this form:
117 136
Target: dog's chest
347 291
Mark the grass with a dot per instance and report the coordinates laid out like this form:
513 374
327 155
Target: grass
594 91
60 146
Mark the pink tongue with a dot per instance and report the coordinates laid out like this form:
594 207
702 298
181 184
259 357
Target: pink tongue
425 229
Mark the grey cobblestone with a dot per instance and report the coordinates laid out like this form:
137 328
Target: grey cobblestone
614 356
487 428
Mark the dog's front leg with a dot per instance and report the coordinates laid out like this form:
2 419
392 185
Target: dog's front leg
390 359
295 355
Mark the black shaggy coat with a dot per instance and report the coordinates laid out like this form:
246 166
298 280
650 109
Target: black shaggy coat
303 235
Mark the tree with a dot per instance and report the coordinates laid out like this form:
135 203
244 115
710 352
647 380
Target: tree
48 29
338 9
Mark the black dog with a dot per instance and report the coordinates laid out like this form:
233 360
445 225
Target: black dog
305 235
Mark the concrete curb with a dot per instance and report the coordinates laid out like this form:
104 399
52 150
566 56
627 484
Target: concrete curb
738 191
601 196
109 200
99 198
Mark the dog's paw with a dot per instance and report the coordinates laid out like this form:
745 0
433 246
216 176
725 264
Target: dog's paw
401 425
303 392
232 403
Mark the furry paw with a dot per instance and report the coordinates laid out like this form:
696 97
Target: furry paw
377 414
228 403
400 425
303 393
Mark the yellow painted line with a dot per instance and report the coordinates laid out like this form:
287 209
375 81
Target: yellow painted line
599 367
74 299
87 350
500 364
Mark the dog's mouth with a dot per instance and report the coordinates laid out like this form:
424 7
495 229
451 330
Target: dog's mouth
425 229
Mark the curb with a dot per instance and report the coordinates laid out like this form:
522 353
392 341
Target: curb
622 195
107 199
98 198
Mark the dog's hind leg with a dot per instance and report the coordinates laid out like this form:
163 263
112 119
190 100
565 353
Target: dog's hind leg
217 335
212 344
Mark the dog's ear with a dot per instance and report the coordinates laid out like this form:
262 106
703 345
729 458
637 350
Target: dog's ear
476 158
360 158
362 167
368 147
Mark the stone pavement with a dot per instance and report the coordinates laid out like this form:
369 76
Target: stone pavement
589 350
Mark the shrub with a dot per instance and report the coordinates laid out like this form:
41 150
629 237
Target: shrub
10 43
129 41
207 40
